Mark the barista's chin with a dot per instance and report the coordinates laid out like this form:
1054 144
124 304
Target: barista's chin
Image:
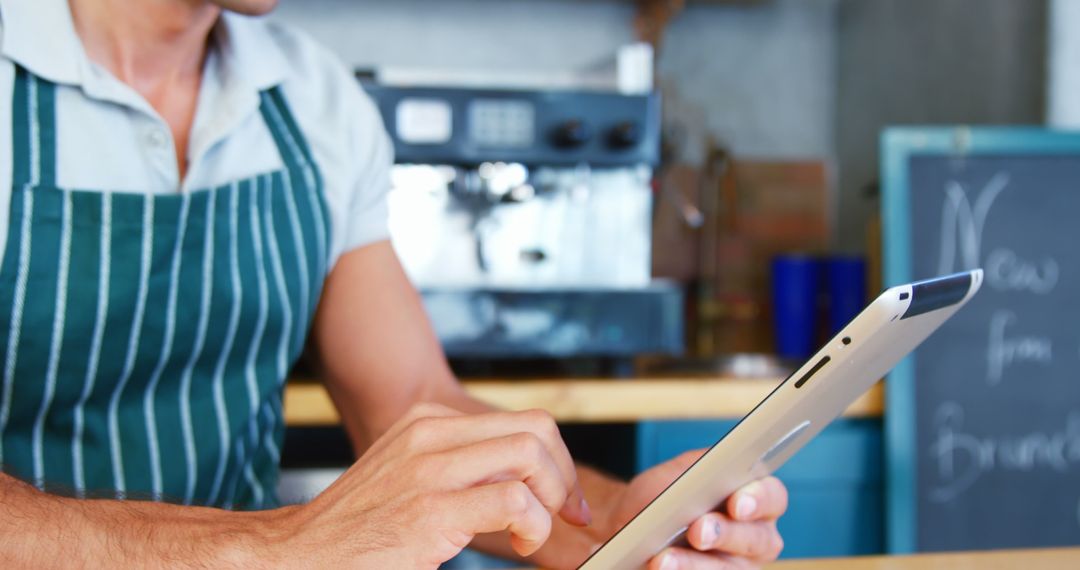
247 7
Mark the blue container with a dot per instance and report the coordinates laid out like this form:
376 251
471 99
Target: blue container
846 277
796 284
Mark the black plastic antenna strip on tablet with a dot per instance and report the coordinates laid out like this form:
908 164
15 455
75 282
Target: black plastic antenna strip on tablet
935 294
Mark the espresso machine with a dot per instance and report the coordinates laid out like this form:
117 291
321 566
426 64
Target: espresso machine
524 219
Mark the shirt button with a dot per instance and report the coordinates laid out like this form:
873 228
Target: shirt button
157 138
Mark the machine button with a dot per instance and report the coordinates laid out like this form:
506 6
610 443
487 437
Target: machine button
533 255
624 135
572 134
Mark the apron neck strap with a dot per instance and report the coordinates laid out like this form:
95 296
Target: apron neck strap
34 132
288 137
33 115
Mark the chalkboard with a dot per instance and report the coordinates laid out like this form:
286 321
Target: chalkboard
983 421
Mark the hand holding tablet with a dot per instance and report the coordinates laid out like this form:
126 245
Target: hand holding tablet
798 409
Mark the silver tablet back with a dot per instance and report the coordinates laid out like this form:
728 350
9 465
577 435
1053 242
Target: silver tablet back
797 410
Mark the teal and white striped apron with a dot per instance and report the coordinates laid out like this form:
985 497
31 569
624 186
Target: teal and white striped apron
146 338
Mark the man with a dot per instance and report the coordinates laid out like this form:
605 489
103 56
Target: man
195 197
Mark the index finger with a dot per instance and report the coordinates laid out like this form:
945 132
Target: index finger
764 499
448 432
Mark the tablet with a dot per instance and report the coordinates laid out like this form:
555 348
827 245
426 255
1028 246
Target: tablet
800 407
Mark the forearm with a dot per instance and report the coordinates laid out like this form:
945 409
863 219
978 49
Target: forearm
364 422
45 531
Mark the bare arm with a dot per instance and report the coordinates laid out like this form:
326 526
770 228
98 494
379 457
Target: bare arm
430 479
418 496
378 355
374 347
45 531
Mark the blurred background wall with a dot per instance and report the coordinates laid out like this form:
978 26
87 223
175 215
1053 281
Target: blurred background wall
1063 105
759 76
791 79
958 61
511 35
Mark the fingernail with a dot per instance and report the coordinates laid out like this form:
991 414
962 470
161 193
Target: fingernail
669 562
586 512
709 533
745 507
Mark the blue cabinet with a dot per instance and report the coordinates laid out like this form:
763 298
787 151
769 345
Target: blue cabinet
837 500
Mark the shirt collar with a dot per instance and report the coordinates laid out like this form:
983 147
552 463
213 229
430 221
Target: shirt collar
40 35
248 51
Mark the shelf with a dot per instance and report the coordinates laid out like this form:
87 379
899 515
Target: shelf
594 400
1048 558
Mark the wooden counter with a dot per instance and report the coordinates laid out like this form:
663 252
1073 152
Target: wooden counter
594 400
1051 559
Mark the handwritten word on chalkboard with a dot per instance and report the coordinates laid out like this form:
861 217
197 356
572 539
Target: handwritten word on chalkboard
993 400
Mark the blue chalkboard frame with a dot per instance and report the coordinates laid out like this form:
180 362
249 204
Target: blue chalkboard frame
898 145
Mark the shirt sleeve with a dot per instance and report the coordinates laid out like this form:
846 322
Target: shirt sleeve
367 211
349 142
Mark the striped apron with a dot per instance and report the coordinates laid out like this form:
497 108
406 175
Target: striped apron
146 338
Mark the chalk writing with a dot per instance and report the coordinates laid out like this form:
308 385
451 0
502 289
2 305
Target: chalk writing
1007 272
962 224
1003 351
962 458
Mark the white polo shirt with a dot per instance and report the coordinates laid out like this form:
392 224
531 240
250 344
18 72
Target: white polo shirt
110 138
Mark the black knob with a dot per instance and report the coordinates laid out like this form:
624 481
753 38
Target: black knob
533 255
624 135
572 134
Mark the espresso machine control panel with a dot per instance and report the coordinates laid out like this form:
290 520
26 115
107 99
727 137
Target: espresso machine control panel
468 126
